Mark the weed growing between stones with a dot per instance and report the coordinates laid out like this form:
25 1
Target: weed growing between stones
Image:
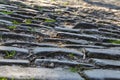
10 54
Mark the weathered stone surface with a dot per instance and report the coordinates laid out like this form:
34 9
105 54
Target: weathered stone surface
101 33
27 31
9 18
77 36
6 48
109 30
8 6
62 62
58 37
106 63
84 25
67 41
35 25
67 30
10 43
49 50
109 34
82 46
16 35
22 73
102 74
4 30
107 44
90 31
103 53
26 13
5 23
14 62
20 16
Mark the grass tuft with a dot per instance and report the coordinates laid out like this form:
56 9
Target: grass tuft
10 54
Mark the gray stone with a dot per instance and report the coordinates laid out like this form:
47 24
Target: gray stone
101 33
107 44
4 30
106 63
109 30
109 34
26 13
102 74
103 53
28 31
10 43
5 23
23 73
67 30
21 16
77 36
8 6
16 35
84 25
62 62
82 46
49 50
6 48
67 41
14 62
9 18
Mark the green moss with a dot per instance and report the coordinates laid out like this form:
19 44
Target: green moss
52 0
40 8
71 56
6 12
66 3
50 20
3 78
12 27
114 41
15 22
28 21
73 69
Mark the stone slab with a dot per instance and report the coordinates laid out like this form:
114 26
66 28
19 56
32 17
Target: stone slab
22 73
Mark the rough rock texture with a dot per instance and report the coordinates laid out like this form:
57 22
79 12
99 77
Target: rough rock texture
80 37
99 74
37 74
